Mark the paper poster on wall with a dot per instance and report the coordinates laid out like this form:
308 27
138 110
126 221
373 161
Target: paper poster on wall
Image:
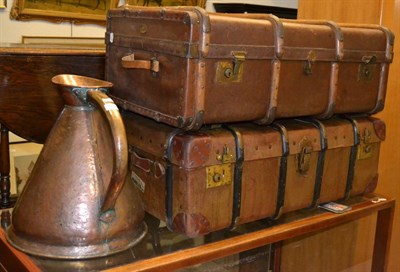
22 159
78 11
160 3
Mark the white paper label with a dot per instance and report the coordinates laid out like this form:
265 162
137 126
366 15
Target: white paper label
138 181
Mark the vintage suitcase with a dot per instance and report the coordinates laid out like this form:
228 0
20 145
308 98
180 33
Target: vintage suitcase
351 161
358 76
186 68
363 68
222 176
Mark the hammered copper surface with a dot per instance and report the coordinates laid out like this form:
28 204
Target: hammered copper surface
77 203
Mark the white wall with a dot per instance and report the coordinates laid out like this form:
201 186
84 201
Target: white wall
11 31
275 3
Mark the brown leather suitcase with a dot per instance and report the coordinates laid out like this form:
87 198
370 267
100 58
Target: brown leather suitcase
186 68
222 176
358 75
363 69
200 68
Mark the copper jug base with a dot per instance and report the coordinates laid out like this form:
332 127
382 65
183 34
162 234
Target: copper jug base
117 244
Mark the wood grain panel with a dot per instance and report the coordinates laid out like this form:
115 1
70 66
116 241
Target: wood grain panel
347 247
390 153
341 11
14 260
27 95
386 12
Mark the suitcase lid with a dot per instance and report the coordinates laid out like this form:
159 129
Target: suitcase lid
356 131
206 147
189 32
339 133
215 146
303 136
362 42
301 39
371 129
134 27
311 40
256 39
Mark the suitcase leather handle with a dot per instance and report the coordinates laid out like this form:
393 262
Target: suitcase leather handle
147 165
129 62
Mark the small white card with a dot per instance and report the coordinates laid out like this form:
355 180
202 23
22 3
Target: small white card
335 207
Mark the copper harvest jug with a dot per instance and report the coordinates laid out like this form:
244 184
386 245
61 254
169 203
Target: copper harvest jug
77 202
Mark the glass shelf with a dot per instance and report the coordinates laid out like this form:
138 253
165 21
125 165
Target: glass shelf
248 245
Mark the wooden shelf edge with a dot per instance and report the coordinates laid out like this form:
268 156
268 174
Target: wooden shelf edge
16 260
13 259
213 251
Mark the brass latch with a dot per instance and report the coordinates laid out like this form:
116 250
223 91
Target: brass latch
303 159
225 157
365 147
238 59
218 175
308 64
231 71
366 69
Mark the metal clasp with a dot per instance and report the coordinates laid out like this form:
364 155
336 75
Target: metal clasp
231 71
366 68
365 147
303 158
238 59
225 157
218 175
307 69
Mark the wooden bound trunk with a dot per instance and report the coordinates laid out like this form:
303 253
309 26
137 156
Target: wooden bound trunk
222 176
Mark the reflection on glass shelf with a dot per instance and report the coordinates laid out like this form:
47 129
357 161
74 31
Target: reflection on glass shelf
160 241
253 260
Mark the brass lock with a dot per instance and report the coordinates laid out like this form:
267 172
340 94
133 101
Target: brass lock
231 71
303 159
228 73
366 69
365 147
219 175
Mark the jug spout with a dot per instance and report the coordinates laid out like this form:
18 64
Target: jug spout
73 88
90 207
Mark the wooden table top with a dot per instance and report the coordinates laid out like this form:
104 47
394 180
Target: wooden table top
29 102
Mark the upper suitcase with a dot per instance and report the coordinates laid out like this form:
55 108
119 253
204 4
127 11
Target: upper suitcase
186 68
363 69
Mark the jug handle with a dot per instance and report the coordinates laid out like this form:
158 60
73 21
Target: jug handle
120 165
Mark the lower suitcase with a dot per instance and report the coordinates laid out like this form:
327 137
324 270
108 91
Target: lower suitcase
222 176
